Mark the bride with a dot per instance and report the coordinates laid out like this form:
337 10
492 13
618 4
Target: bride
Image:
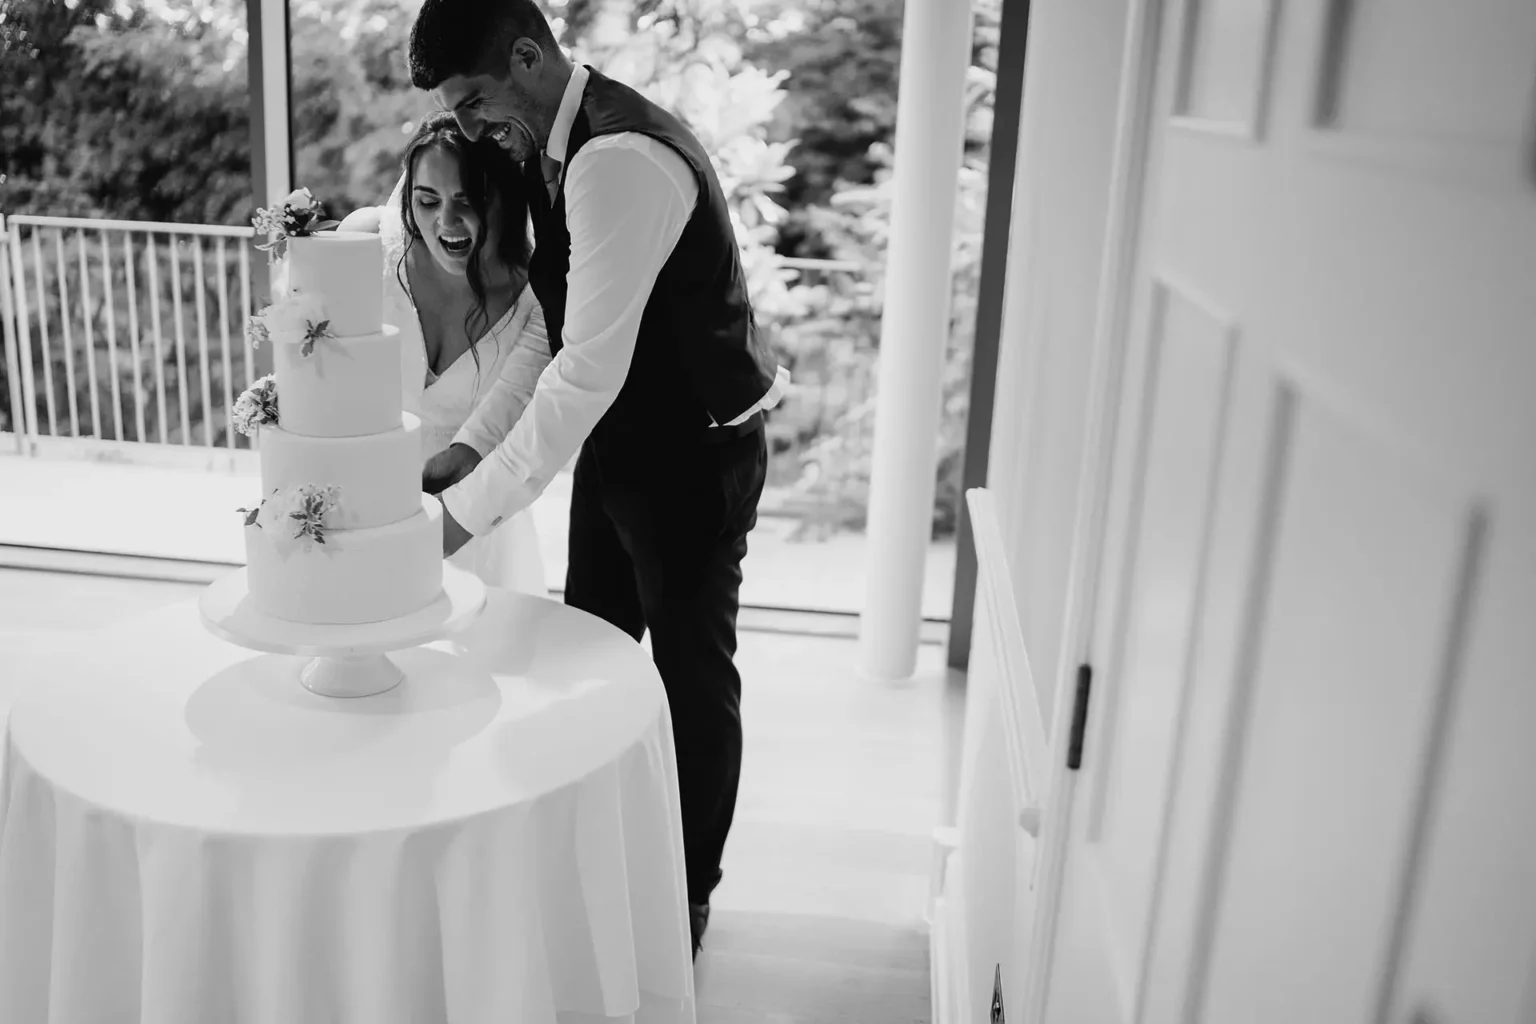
455 283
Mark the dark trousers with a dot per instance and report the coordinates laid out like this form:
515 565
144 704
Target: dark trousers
658 532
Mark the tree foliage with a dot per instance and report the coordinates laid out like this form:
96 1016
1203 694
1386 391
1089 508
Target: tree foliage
140 112
839 65
111 110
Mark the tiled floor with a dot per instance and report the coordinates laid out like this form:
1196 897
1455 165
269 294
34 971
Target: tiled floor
819 918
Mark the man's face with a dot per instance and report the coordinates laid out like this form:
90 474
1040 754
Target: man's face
497 108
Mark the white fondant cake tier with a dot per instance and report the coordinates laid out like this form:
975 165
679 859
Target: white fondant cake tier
356 576
345 387
378 476
343 268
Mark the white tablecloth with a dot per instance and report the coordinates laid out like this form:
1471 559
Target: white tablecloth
187 836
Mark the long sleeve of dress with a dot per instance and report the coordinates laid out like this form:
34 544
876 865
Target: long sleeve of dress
495 415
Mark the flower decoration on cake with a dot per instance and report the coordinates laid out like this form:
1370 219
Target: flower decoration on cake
299 317
301 214
309 507
256 406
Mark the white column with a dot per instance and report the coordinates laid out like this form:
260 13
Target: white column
275 58
271 140
930 135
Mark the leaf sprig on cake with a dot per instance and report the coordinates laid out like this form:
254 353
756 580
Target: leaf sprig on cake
312 333
253 515
301 214
257 406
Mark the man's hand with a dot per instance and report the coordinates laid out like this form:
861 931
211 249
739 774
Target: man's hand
454 535
448 467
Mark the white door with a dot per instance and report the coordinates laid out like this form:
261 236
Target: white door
1307 786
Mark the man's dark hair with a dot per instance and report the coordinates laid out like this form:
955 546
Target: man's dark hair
466 37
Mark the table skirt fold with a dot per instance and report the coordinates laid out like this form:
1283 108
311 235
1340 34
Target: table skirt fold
565 910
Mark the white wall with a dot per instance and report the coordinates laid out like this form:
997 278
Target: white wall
1061 203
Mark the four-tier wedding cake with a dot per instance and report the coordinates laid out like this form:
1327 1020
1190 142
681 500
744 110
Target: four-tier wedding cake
342 534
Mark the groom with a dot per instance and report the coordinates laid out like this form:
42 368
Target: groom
658 378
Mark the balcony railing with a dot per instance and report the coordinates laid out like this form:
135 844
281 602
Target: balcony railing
125 331
125 340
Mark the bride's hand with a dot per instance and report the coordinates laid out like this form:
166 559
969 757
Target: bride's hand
448 467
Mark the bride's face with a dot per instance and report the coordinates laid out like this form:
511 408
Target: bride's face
447 222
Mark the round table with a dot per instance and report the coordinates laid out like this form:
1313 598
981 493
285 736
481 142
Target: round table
189 835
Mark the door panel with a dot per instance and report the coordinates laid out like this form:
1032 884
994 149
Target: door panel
1224 77
1252 468
1469 922
1305 795
1348 657
1179 435
1458 72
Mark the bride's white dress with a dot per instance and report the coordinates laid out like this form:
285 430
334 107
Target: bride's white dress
509 555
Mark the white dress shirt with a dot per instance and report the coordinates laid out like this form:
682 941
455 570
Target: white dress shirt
627 199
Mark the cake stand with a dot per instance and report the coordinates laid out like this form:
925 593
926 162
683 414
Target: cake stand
346 660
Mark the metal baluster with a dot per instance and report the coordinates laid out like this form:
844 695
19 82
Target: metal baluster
24 337
90 334
69 341
133 337
181 341
110 293
12 330
42 330
227 392
152 259
246 313
202 341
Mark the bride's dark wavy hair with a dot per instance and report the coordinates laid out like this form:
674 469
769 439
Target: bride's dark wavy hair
492 182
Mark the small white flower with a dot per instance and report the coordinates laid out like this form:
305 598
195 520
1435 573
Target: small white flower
256 331
256 407
267 223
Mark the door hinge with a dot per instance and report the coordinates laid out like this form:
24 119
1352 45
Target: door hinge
1079 716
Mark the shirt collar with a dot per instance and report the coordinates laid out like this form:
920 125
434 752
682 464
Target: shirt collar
570 103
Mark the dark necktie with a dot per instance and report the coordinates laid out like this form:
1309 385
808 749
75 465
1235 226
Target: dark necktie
550 170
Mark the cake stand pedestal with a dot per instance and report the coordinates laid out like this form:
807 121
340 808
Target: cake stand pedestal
346 660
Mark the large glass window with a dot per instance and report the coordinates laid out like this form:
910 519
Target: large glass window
141 112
